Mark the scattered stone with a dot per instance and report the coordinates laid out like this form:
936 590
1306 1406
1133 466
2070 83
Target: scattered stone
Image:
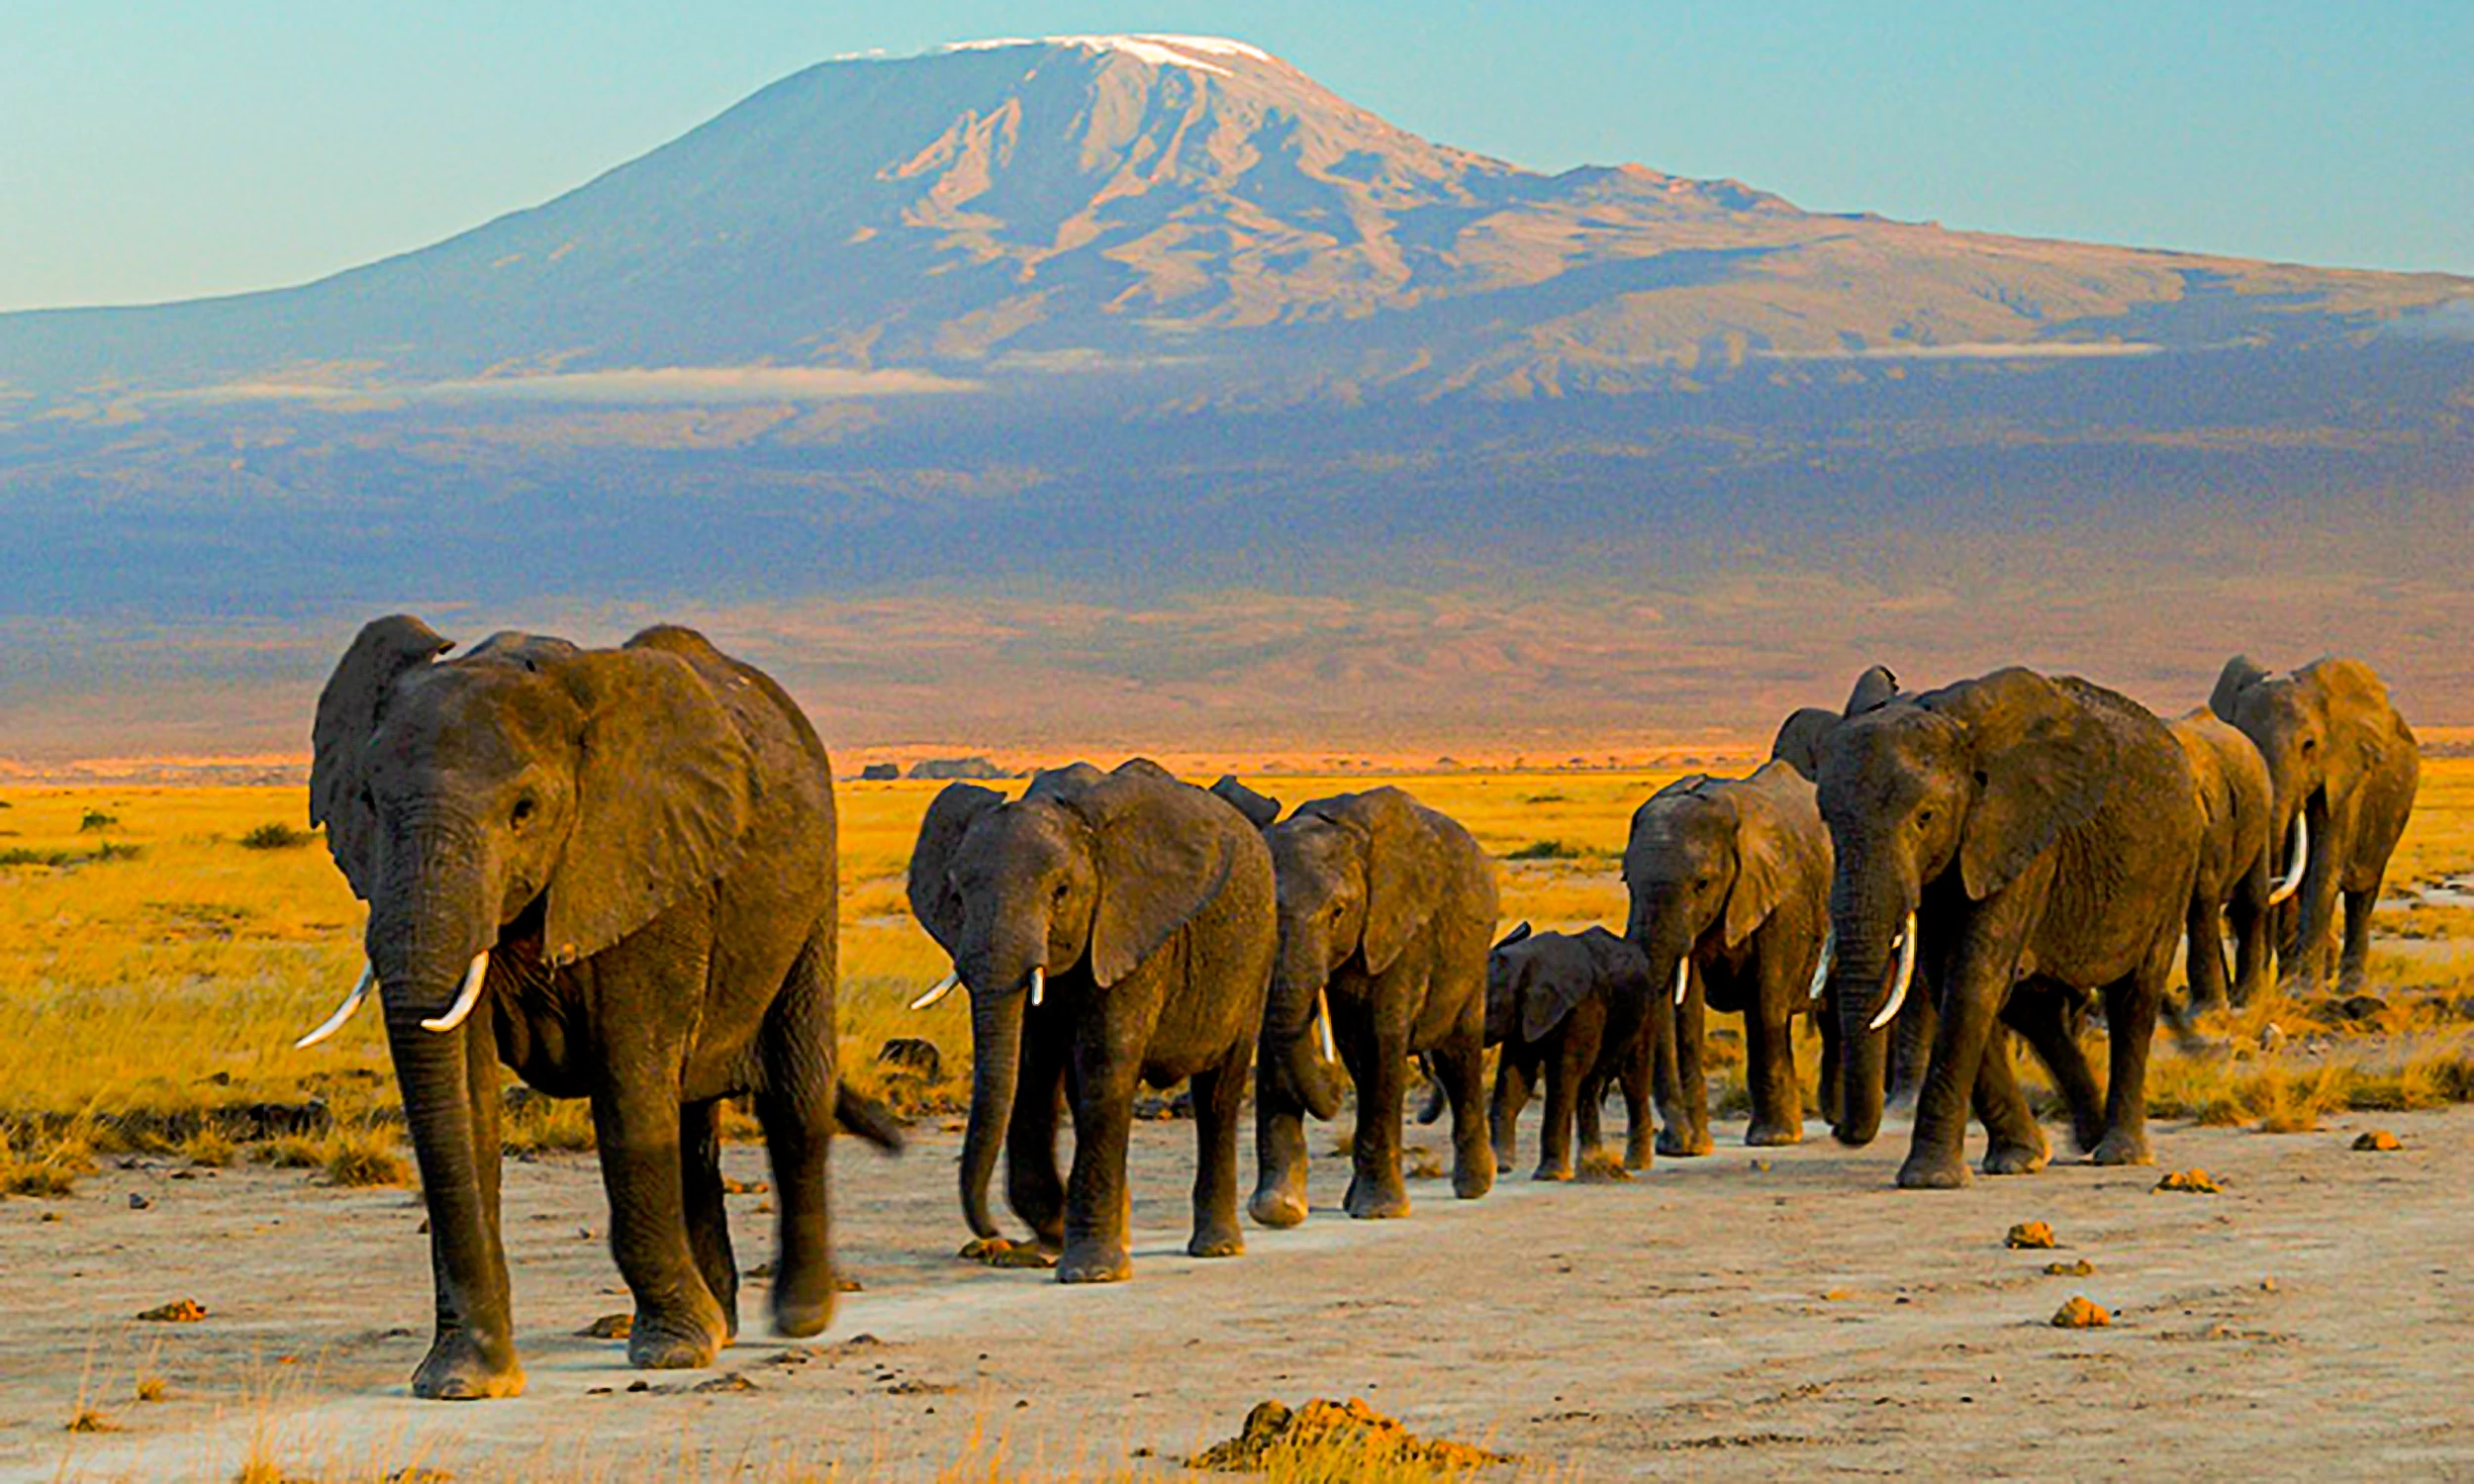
609 1326
139 1202
1367 1437
2361 1006
2195 1181
2378 1141
2032 1235
848 1285
1761 1167
51 1216
1838 1295
2079 1269
864 1341
743 1187
758 1272
726 1381
798 1355
639 1386
185 1174
2080 1313
1603 1167
597 1390
2267 1286
914 1387
177 1312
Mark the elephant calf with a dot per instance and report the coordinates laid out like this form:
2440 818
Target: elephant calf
2232 879
1575 1011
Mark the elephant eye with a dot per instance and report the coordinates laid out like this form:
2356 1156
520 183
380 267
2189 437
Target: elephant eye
1923 818
523 812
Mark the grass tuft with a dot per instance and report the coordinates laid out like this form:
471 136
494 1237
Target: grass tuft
275 835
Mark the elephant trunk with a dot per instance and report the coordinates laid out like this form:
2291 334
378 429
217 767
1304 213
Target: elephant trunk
995 1060
1869 926
1292 1048
1664 932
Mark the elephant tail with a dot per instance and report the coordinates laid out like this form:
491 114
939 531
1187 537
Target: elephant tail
871 1120
1434 1091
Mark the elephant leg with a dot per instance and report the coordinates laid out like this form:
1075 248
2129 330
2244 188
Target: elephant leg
1106 1071
1978 969
1555 1135
679 1323
1590 1109
1279 1154
1665 1078
2356 963
1462 1063
1832 1067
2014 1145
2204 933
2248 915
1511 1095
1770 1065
1639 1136
1033 1187
708 1218
796 1106
2129 1028
2038 1010
1219 1096
473 1353
1377 1064
1912 1036
1687 1136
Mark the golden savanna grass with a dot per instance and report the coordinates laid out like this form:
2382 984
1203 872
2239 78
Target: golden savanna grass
150 993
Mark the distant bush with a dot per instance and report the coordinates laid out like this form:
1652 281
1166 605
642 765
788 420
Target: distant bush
1547 850
96 821
275 835
878 773
106 851
954 768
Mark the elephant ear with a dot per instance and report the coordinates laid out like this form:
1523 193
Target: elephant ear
1799 739
1691 782
1557 983
2044 764
385 650
1259 809
1764 866
1162 858
1073 781
933 899
1506 977
664 790
1405 869
2237 675
1874 688
1519 933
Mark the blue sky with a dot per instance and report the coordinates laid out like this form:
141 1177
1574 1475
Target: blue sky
158 150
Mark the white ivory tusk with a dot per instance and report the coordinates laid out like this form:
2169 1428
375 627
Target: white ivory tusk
943 987
1906 975
2300 857
1821 974
1322 1018
1039 984
343 1012
1683 978
466 997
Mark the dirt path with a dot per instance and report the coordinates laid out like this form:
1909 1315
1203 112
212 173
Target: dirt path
1728 1316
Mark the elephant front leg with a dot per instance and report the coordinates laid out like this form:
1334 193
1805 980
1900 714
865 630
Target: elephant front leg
1555 1133
708 1217
1511 1095
1770 1065
1462 1064
1378 1065
1640 1132
2014 1142
1219 1098
1096 1249
472 1355
1686 1134
2355 965
679 1323
2129 1029
1979 968
796 1107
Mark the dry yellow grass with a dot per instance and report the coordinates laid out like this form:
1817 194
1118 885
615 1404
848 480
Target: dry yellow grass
141 994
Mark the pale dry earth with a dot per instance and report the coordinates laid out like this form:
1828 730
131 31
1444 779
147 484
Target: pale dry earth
1747 1314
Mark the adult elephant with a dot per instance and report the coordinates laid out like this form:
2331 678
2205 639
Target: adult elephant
2232 879
2343 769
613 870
2039 837
1111 927
1386 912
1730 887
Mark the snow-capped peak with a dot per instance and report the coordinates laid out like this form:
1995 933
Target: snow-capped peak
1159 50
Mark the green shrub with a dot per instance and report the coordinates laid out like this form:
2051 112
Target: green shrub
275 835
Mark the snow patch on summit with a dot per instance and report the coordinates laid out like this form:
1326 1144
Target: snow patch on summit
1159 50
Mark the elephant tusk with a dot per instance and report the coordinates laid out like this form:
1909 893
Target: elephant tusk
943 987
1683 979
343 1012
2300 857
1821 974
1906 975
1322 1018
465 998
1039 985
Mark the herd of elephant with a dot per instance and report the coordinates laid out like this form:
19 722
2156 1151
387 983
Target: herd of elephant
614 871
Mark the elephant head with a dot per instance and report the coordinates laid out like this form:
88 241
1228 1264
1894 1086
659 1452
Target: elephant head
1979 779
2323 731
1087 874
1355 878
1704 856
529 792
1533 982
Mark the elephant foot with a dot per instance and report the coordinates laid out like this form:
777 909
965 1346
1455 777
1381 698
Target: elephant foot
2016 1158
1563 1171
2119 1148
1218 1242
1640 1153
803 1301
1770 1134
1472 1174
1926 1171
1370 1201
457 1371
676 1342
1684 1144
1095 1262
1279 1204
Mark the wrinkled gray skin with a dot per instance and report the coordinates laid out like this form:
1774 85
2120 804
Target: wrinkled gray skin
1149 904
1575 1011
642 839
1386 907
2337 754
2046 834
1730 884
2232 882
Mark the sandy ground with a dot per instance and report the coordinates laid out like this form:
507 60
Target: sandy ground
1743 1315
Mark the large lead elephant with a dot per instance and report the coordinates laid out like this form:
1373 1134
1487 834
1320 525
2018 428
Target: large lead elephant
2039 838
2343 769
2232 879
613 870
1111 928
1386 909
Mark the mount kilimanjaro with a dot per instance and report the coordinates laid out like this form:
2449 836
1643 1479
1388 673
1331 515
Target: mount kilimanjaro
1148 372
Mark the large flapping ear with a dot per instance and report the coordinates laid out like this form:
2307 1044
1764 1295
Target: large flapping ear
2362 722
933 901
1874 688
1507 979
1259 809
384 651
2237 675
2044 762
664 787
1557 981
1405 869
1765 865
1162 852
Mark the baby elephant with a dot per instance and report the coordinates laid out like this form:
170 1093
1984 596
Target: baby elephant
1577 1011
